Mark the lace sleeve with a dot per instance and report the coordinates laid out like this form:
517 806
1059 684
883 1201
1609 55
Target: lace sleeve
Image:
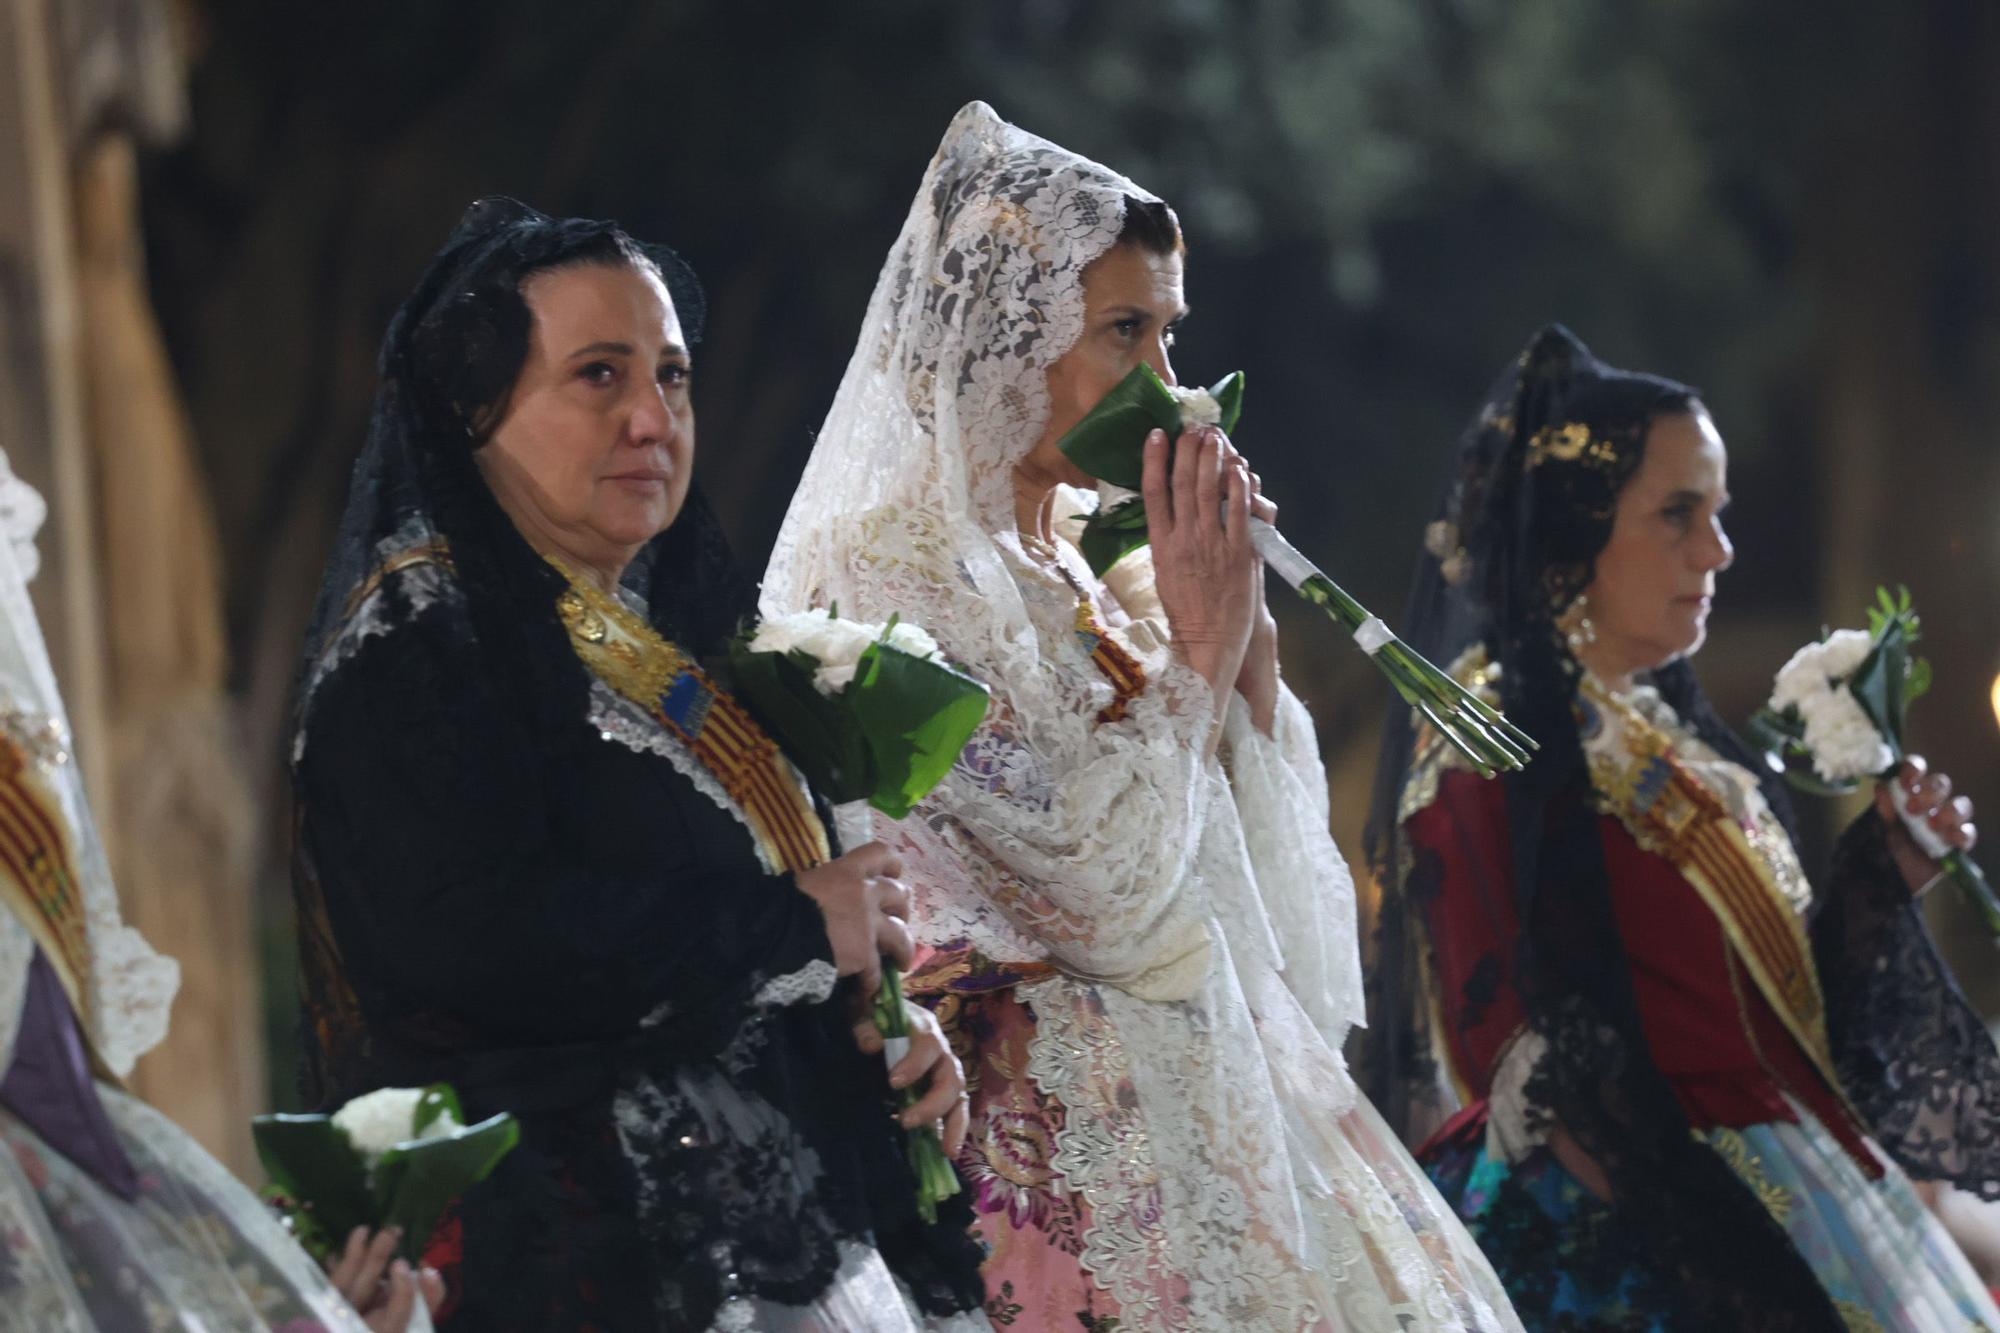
1279 786
1082 856
1057 834
1916 1060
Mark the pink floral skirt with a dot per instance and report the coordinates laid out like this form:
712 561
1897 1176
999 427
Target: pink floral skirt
1032 1225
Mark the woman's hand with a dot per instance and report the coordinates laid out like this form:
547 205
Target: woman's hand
930 1057
1928 796
383 1293
1257 682
1206 570
866 911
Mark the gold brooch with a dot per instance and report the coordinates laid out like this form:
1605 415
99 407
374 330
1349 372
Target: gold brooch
1565 443
583 622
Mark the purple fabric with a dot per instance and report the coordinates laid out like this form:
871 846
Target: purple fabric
49 1085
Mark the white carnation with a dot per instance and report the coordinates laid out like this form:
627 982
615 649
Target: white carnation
1819 667
834 643
1845 745
914 640
1198 407
831 680
380 1120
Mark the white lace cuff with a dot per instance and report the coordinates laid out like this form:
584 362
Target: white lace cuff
1511 1131
809 985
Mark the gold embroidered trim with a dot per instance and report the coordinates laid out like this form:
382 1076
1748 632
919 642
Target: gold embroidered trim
436 551
627 653
630 656
1124 671
1431 756
1669 812
38 878
1860 1319
1733 1148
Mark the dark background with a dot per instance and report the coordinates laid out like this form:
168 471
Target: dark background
1792 205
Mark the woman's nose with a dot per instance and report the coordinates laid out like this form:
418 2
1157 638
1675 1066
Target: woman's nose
1162 364
1721 553
652 419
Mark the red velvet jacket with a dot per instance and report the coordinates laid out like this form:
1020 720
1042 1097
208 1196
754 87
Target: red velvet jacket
1729 1057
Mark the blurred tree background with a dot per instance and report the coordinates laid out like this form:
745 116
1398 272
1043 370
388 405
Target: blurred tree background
1793 205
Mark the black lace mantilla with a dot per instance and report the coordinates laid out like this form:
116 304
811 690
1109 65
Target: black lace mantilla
1914 1056
499 890
1514 541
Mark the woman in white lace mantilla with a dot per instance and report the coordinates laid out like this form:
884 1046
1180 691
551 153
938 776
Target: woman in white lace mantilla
1135 920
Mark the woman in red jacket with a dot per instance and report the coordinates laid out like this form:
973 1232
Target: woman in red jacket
1697 1085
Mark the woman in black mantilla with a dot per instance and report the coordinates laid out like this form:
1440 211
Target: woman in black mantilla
1699 1085
542 856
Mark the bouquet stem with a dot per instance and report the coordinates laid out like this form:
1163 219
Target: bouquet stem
1971 881
1474 727
1962 869
936 1181
854 825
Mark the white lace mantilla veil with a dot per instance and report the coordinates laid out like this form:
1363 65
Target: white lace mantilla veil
130 988
1203 925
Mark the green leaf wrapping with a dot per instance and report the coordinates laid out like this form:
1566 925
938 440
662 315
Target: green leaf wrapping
311 1160
817 733
315 1165
1110 442
1880 683
416 1181
888 738
1111 535
439 1099
915 716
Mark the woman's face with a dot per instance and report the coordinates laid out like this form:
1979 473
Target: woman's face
594 455
1132 303
1655 579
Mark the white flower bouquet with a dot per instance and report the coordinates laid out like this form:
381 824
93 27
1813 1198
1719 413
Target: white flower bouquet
1836 717
1109 444
394 1157
874 717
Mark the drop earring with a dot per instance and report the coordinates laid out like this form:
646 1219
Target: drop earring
1575 624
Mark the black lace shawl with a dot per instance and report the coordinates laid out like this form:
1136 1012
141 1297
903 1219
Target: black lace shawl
496 891
1519 541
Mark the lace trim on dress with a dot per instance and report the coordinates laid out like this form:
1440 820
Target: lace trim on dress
420 569
713 1159
809 985
1102 1150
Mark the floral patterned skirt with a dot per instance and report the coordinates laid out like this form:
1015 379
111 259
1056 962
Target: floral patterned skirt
1030 1222
195 1251
1568 1263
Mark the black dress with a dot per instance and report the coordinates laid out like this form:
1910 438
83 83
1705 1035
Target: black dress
511 878
577 933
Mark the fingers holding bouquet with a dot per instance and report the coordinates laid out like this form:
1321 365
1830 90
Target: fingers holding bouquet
867 910
1837 719
929 1066
1198 510
384 1290
1919 795
1124 441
